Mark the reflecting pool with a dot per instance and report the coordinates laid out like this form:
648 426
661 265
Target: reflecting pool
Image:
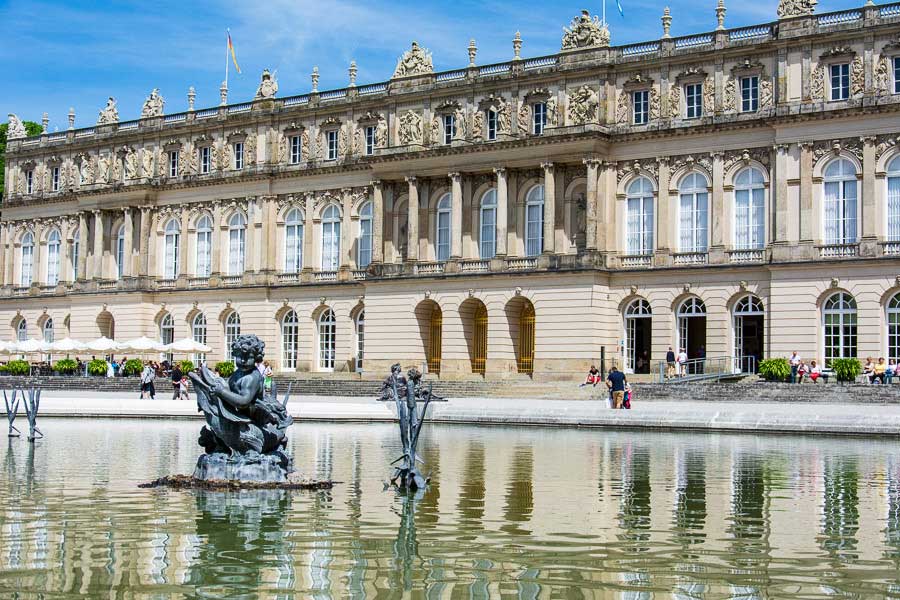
526 513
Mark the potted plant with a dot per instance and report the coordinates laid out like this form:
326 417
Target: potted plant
133 366
18 367
186 366
97 367
775 369
225 368
845 369
65 366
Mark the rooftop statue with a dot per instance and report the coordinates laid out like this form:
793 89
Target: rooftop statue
796 8
415 61
268 86
584 32
16 128
109 114
153 105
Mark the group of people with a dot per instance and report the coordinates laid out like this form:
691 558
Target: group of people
800 370
880 372
620 393
152 370
677 364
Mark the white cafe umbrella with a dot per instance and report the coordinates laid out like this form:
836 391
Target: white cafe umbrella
32 345
8 347
186 346
103 344
143 344
67 345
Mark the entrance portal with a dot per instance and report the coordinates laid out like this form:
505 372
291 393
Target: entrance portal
638 336
691 317
749 333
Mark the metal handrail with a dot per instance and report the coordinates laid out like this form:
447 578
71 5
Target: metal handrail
707 369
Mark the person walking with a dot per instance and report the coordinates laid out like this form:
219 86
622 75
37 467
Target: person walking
147 377
795 365
177 376
615 383
682 362
670 363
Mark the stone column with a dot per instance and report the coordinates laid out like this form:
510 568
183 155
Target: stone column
807 232
40 247
593 167
412 225
663 216
346 256
4 243
97 260
128 268
549 208
869 207
309 232
377 222
82 245
502 207
8 251
183 243
215 254
779 199
455 215
270 238
717 218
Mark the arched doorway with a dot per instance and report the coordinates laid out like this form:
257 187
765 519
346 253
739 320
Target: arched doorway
638 336
327 340
749 321
290 340
691 330
473 314
167 333
107 325
431 325
360 340
521 318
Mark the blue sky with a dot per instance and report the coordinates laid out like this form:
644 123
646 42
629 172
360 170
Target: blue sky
60 53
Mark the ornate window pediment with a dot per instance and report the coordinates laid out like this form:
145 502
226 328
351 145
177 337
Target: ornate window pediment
748 67
370 118
294 128
690 75
537 95
636 82
204 140
238 135
837 53
330 123
173 145
54 160
448 107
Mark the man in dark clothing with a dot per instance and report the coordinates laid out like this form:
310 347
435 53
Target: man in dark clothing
615 382
701 362
177 375
670 363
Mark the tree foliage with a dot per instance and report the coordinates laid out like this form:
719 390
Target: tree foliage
31 129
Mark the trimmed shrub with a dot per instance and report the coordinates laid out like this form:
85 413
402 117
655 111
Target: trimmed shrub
186 366
225 368
846 369
97 367
775 369
133 366
65 366
18 367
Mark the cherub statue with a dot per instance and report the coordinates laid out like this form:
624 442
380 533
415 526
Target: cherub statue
268 86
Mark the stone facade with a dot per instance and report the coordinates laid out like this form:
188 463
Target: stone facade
588 189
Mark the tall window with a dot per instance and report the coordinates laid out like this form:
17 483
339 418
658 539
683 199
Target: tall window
538 117
449 128
893 200
198 332
167 329
237 229
232 330
173 163
238 148
295 149
639 220
327 341
331 138
487 242
370 140
491 123
839 320
22 330
120 252
840 81
204 246
442 248
53 246
693 100
750 93
76 249
840 202
331 238
29 181
749 209
293 241
290 340
27 259
48 333
897 74
893 325
204 159
640 104
534 221
692 214
172 241
364 244
54 179
360 340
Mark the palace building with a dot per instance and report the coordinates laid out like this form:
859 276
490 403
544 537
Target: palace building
735 191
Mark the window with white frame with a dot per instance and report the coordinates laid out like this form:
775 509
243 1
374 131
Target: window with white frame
293 241
171 243
360 339
893 327
331 238
750 93
370 140
204 246
22 330
27 264
76 249
839 326
534 221
840 81
290 340
232 330
198 332
327 340
442 226
896 70
840 206
167 332
205 153
491 124
893 200
53 246
54 179
296 145
237 231
749 209
692 213
29 181
538 117
120 252
449 128
331 140
364 243
693 100
173 163
639 219
640 107
487 240
48 333
238 148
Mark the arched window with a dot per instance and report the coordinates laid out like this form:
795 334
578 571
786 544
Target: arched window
293 241
639 220
27 263
22 330
232 330
442 226
237 228
290 340
893 200
364 245
638 325
172 242
204 246
327 341
76 249
53 245
120 252
893 327
360 339
692 214
48 331
839 322
840 202
167 332
487 242
749 209
534 221
198 332
331 238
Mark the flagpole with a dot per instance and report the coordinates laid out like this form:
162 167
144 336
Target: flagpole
604 12
227 35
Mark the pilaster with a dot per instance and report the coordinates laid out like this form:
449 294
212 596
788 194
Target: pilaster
593 168
377 222
806 232
549 208
502 208
412 227
870 218
128 254
97 254
455 215
82 246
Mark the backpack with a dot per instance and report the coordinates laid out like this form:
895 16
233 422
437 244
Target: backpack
626 403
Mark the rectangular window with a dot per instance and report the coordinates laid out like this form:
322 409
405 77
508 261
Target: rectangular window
449 128
173 163
534 229
238 156
54 179
331 138
897 74
693 100
640 102
442 250
205 152
295 149
370 140
364 251
491 125
29 181
538 117
750 94
749 218
840 212
840 81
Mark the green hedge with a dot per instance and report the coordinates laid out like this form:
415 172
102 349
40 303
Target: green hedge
18 367
186 366
65 366
133 366
97 367
846 369
225 368
775 369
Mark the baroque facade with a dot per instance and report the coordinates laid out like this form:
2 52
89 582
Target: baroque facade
736 191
